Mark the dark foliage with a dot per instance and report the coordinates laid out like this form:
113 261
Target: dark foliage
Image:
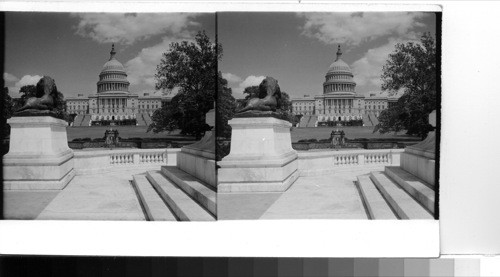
191 68
412 67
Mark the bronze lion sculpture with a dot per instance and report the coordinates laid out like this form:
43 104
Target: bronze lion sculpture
45 98
267 100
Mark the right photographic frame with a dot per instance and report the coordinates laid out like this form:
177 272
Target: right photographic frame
331 115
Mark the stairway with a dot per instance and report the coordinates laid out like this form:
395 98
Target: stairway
147 119
78 120
140 120
373 119
366 120
174 195
396 194
86 120
304 121
312 121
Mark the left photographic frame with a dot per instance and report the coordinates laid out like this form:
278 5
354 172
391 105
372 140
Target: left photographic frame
109 116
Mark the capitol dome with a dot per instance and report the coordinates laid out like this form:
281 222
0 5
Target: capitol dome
339 77
112 78
113 65
339 66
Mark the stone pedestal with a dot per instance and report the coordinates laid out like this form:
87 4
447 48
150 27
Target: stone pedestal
419 159
261 157
39 157
198 159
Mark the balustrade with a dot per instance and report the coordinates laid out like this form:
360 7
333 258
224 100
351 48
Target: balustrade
151 158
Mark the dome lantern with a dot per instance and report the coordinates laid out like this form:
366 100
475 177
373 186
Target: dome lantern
339 53
112 53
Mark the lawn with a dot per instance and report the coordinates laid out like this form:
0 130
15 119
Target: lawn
124 132
350 133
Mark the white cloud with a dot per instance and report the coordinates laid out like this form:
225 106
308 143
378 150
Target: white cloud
28 80
368 69
355 28
129 28
141 69
239 87
24 81
231 78
7 77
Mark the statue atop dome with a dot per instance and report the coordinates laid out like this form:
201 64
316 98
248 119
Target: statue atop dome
339 53
112 53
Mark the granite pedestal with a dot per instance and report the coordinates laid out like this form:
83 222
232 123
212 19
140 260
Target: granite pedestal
419 159
261 158
198 159
39 157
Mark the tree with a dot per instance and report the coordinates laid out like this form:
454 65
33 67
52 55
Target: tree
226 107
285 108
191 68
7 110
27 91
412 67
251 92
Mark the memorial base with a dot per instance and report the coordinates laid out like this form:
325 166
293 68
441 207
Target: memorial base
39 157
261 157
198 159
419 159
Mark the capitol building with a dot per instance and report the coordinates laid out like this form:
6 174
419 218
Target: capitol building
112 101
340 101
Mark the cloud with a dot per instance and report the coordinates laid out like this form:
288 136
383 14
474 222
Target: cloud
24 81
7 77
238 87
141 69
28 80
368 69
231 78
355 28
129 28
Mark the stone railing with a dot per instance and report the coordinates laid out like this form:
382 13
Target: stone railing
92 161
325 162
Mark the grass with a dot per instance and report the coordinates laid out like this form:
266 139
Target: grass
350 133
124 132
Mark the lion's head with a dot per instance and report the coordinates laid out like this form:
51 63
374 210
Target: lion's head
47 86
269 86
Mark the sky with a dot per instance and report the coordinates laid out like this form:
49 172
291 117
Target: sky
298 48
73 47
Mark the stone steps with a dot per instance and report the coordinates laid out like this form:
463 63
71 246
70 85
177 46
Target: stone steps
404 205
304 121
153 205
417 188
195 188
179 201
366 120
377 207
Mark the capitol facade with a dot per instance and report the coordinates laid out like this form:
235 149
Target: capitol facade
340 101
112 101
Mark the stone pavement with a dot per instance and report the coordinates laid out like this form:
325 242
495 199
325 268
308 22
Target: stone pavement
320 197
331 196
108 196
26 204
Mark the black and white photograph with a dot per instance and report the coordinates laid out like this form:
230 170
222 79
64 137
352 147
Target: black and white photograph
109 116
328 115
